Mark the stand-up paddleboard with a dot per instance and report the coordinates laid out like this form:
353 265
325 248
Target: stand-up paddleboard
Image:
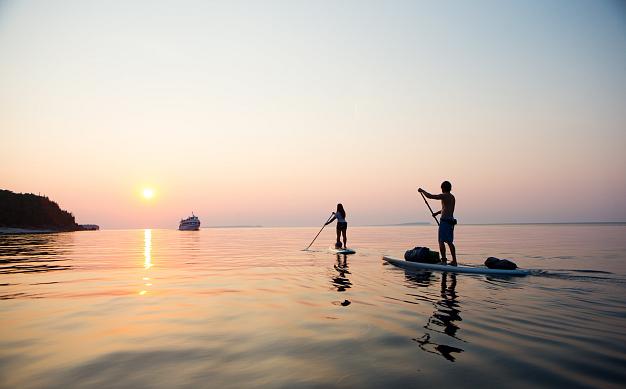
453 269
341 251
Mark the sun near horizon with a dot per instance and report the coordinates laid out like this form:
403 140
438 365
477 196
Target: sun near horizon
271 114
147 193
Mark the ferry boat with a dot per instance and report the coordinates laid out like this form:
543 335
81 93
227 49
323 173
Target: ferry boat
192 223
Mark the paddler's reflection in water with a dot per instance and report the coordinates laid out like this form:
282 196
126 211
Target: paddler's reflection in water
444 318
340 281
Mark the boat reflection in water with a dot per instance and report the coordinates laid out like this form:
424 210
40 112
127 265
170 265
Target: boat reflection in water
445 317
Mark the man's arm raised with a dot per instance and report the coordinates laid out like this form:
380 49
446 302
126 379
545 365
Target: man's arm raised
430 196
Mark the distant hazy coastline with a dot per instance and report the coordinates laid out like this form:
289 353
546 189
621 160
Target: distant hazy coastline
549 223
242 226
503 224
407 224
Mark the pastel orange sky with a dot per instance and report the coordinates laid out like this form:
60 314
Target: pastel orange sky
269 113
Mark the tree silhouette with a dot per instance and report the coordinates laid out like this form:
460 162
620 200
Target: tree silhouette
27 210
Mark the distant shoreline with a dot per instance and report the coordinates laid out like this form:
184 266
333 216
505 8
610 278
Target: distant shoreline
408 224
242 226
500 224
20 231
26 231
23 231
545 223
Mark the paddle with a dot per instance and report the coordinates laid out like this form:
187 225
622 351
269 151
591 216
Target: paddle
429 208
318 234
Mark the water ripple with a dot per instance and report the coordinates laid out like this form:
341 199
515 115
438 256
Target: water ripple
248 308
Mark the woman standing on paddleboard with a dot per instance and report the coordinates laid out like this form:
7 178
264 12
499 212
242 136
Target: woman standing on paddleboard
342 225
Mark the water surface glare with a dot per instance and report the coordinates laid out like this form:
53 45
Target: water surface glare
249 308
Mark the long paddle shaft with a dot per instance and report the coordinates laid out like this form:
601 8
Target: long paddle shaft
318 234
429 208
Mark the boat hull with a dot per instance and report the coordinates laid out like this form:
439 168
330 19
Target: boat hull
188 228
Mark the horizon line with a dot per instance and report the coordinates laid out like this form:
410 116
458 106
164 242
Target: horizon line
412 224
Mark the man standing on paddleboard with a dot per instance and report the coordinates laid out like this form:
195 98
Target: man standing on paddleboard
446 226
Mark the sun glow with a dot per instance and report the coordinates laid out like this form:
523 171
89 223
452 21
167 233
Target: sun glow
148 193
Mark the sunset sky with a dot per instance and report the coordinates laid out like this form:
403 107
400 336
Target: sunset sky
269 113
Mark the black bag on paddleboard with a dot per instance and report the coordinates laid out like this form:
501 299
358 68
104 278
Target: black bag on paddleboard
421 254
497 263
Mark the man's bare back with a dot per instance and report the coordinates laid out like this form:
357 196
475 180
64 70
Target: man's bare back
447 205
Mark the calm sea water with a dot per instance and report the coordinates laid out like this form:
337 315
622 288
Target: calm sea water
248 308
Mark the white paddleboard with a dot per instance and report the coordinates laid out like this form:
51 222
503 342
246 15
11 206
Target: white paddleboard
453 269
341 251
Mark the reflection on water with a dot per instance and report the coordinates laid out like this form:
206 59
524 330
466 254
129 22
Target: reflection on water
34 253
447 312
247 308
147 260
340 281
147 249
